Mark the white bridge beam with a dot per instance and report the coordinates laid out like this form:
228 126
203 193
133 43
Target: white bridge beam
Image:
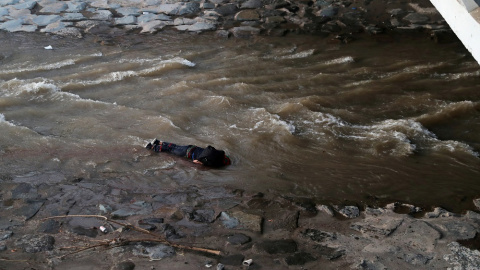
463 17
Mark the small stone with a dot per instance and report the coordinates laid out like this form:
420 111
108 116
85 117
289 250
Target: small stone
247 15
5 235
122 213
349 211
318 236
476 202
155 253
326 209
238 239
3 247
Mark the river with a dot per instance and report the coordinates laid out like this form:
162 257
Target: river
376 120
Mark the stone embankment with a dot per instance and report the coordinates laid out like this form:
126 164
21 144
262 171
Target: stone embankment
274 231
240 18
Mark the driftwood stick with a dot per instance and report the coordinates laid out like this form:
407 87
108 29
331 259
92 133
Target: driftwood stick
129 226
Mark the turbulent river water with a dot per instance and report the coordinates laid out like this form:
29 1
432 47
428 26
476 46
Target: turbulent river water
396 119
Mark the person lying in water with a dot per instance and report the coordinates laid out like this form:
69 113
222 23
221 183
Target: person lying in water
208 156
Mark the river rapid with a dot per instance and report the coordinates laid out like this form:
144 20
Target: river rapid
377 120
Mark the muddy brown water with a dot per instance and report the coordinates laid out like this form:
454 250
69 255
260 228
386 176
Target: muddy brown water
389 119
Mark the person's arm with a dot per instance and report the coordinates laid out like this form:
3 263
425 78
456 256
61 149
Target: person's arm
196 161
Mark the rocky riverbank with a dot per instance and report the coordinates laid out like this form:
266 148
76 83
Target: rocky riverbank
340 19
141 226
130 222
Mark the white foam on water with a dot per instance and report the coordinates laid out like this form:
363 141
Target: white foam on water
52 66
117 76
3 121
269 122
455 146
341 60
298 55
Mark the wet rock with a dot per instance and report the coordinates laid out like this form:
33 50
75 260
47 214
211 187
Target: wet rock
299 258
126 20
152 26
85 231
235 259
328 252
73 17
247 15
203 215
417 259
476 202
306 204
30 210
74 7
49 226
419 234
348 211
456 228
5 235
242 220
198 27
226 10
122 213
170 232
223 34
102 15
438 212
128 11
318 236
473 215
54 7
35 243
24 191
278 246
104 208
416 18
326 209
328 12
369 265
228 221
44 20
17 26
252 4
282 220
238 239
147 221
155 253
127 265
462 257
379 226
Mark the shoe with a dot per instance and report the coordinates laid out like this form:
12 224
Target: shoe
155 141
149 146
